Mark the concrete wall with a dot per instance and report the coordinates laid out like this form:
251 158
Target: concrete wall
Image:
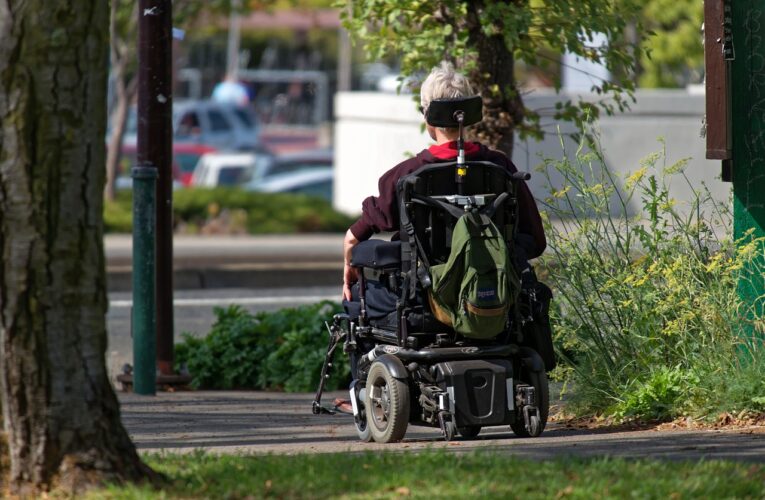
374 132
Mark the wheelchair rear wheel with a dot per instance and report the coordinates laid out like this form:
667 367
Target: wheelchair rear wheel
387 405
542 392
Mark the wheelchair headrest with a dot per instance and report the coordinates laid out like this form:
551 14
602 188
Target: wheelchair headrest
441 112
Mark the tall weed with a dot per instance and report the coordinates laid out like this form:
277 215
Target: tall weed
647 316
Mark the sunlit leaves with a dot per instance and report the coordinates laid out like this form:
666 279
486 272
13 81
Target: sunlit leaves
420 34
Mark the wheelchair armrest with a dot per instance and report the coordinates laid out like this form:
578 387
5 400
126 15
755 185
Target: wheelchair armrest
377 254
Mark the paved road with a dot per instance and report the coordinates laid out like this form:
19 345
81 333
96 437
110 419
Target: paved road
261 422
194 312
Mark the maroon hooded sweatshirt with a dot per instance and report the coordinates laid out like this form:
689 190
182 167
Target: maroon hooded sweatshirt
380 213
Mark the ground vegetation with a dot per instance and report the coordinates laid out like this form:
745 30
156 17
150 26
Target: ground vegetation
647 316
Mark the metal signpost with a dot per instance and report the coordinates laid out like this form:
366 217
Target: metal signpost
747 29
735 63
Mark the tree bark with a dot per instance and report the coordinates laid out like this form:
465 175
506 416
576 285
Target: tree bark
495 79
61 415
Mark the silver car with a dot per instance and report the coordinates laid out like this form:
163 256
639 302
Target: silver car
223 126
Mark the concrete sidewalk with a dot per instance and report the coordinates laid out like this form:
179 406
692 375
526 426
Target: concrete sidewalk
271 422
205 262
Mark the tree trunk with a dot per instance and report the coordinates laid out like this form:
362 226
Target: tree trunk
124 95
61 415
495 79
120 55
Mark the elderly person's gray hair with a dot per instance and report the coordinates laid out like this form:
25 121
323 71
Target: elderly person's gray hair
442 83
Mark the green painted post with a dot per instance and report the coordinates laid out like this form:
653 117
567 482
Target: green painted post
144 272
748 130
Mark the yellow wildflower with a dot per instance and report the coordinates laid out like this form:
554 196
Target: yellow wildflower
636 177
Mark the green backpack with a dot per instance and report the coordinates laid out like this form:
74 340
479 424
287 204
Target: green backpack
476 287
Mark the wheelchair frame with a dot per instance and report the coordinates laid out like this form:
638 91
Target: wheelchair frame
456 384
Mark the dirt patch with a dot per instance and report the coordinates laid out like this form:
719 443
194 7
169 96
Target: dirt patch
748 422
745 421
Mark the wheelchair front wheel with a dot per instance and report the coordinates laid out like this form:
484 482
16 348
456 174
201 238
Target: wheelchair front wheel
362 429
387 405
542 393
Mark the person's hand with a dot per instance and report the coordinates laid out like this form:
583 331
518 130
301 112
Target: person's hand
349 273
349 278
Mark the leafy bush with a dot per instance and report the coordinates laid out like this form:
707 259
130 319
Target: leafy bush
118 214
257 213
647 316
279 350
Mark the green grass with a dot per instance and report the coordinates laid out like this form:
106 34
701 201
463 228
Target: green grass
439 474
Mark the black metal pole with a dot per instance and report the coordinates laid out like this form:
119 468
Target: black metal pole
155 146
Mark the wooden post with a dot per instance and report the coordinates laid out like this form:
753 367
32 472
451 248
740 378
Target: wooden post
717 76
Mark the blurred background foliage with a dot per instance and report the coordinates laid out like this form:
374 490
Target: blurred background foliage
674 54
234 211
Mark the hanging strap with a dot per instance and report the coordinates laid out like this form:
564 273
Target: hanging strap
421 272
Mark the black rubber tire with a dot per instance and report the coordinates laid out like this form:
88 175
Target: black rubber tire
363 431
451 430
542 390
469 431
387 412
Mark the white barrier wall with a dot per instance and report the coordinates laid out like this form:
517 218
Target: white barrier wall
374 132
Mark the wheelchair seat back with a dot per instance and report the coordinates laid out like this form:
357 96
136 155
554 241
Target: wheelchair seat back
430 226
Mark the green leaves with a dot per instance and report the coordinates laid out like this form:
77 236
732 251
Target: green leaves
279 350
421 34
676 51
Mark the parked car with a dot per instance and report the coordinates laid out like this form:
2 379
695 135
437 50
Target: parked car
205 122
186 157
294 162
128 160
227 169
314 182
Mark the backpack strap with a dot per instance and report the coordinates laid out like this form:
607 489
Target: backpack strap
420 271
450 209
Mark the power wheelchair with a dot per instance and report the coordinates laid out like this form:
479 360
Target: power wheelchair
408 367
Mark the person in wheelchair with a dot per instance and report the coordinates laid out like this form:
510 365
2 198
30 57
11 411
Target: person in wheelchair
380 213
447 319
